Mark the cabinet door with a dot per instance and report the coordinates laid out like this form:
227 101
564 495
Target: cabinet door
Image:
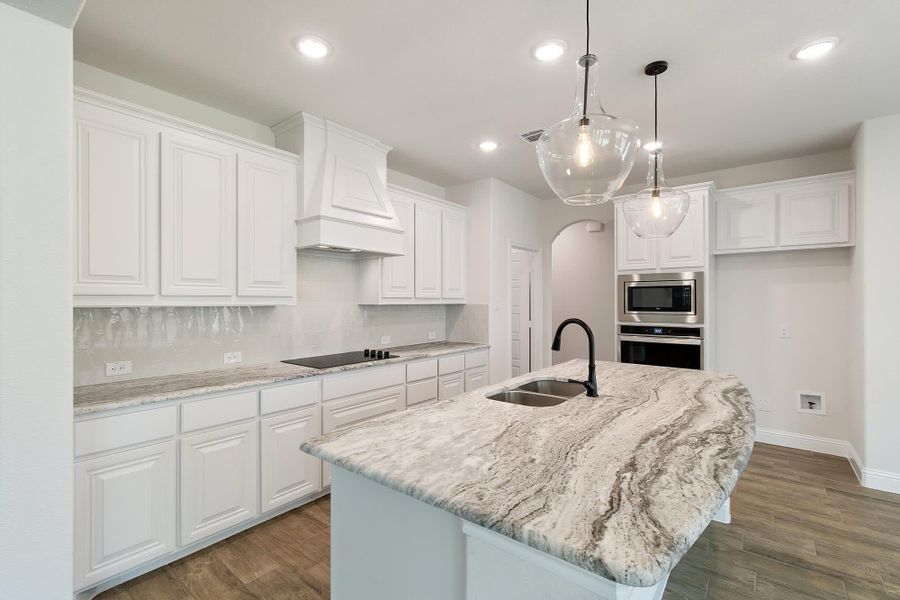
450 385
218 480
124 511
287 473
398 272
686 248
116 203
428 251
267 198
816 213
476 378
632 252
197 232
453 254
745 221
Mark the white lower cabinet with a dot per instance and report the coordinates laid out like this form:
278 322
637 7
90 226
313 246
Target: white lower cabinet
124 511
451 385
218 480
476 378
288 474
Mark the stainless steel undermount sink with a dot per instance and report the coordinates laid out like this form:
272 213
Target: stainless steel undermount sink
527 398
553 387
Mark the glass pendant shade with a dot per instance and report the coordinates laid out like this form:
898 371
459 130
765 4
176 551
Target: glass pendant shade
657 210
586 157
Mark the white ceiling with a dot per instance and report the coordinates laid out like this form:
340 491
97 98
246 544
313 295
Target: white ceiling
432 78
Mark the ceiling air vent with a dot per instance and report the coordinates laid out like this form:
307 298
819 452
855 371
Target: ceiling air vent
532 136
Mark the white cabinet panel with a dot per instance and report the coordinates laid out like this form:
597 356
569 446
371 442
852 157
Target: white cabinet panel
453 254
287 473
116 203
686 248
197 208
398 272
218 480
124 511
428 251
266 202
746 220
421 391
450 386
815 214
632 252
476 378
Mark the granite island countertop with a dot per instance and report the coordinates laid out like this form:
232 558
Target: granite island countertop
148 390
621 485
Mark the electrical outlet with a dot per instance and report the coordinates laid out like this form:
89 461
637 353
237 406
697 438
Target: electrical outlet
123 367
231 358
385 340
432 335
784 332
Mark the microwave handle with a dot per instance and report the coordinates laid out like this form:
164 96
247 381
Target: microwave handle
658 339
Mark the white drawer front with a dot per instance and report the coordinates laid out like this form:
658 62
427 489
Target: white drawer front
450 386
347 411
421 369
364 380
451 364
218 411
479 358
285 397
421 391
129 429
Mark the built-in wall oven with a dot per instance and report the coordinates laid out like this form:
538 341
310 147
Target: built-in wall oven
662 346
661 297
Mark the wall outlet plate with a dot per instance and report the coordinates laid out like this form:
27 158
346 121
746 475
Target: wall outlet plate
385 339
122 367
230 358
784 332
432 335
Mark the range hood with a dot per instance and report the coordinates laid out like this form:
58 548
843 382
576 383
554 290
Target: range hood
344 204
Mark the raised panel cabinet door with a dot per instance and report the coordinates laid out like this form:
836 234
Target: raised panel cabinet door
428 251
218 480
476 378
197 210
815 213
686 248
632 253
124 511
266 204
450 386
453 254
287 473
746 221
116 203
398 272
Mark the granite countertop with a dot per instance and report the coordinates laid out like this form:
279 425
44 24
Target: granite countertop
621 485
135 392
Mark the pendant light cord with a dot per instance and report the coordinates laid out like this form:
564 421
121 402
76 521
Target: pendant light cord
656 132
587 51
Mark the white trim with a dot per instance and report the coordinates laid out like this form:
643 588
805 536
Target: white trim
876 479
802 441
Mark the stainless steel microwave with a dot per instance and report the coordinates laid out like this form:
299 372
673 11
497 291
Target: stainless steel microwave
661 297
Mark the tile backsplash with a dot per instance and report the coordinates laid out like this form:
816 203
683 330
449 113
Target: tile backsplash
326 319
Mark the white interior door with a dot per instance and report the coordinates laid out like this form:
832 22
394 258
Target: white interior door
520 310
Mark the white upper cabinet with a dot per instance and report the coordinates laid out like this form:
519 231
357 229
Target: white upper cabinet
168 213
197 216
116 204
632 253
398 272
428 251
810 212
267 193
453 254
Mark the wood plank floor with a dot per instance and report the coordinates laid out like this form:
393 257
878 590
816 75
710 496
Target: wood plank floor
802 529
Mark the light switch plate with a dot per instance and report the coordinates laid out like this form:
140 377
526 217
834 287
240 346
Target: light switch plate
122 367
230 358
432 335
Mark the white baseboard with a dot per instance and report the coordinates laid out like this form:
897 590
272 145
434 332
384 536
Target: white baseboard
875 479
801 441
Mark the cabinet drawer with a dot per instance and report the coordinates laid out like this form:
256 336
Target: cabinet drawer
285 397
347 411
422 369
450 386
420 391
218 411
451 364
129 429
364 380
479 358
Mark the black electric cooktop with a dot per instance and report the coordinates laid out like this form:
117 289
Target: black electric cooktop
328 361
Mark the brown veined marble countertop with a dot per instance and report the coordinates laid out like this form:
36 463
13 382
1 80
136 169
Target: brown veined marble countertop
621 485
136 392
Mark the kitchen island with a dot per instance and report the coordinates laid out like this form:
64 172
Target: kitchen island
473 498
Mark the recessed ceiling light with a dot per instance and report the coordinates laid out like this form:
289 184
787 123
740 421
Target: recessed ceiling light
653 146
488 146
313 47
549 50
816 49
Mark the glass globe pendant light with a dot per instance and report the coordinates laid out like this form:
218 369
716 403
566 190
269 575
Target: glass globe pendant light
586 157
657 210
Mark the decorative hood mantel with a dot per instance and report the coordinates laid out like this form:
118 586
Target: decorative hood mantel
344 204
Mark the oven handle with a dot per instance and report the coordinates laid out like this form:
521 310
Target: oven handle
660 339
